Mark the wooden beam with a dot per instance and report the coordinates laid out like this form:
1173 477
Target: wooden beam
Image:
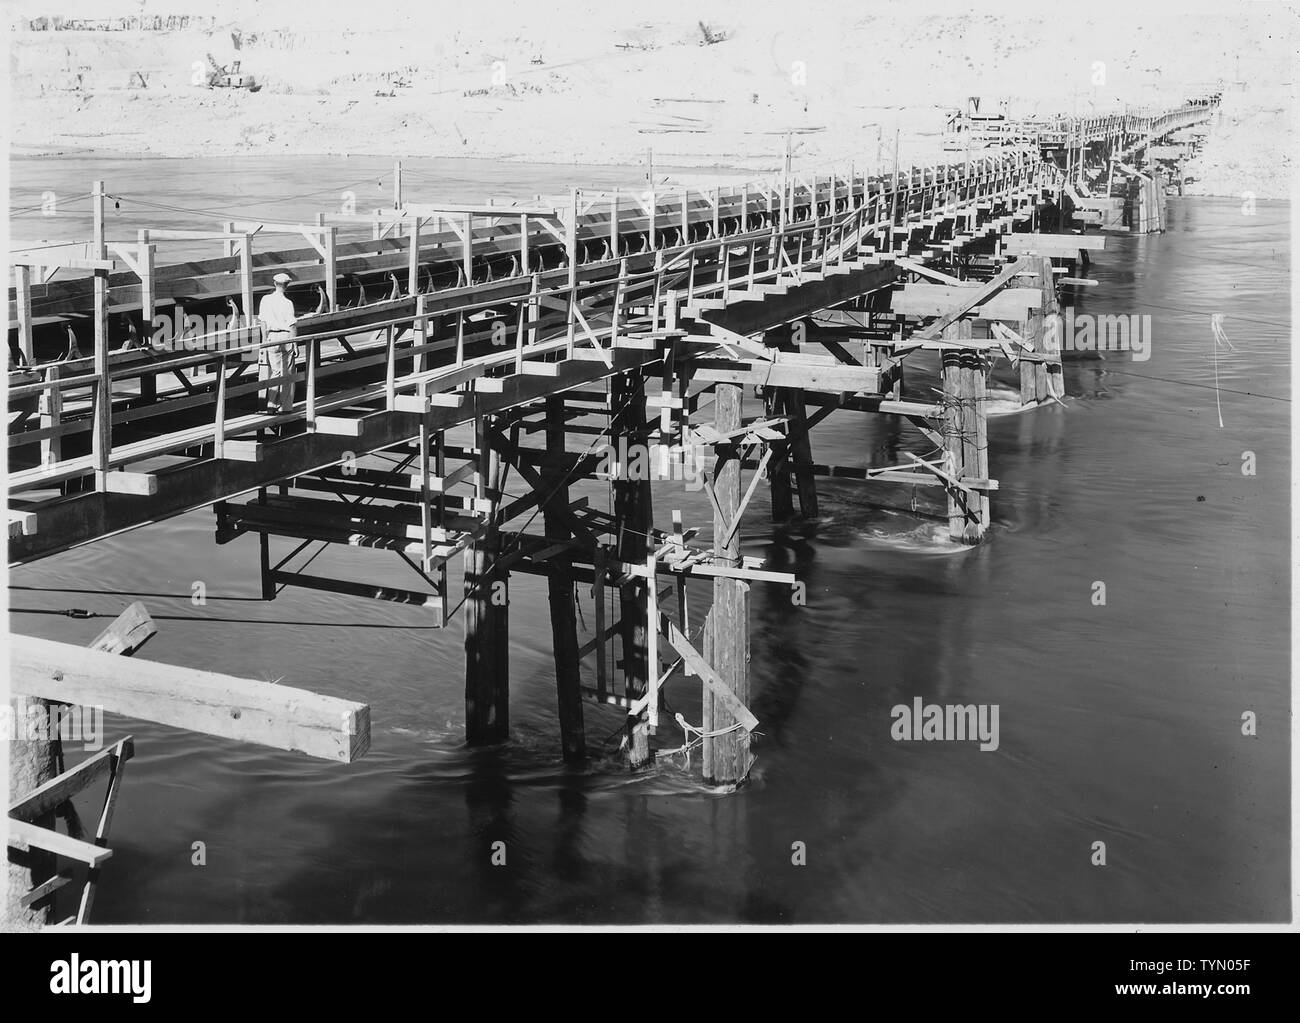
57 791
130 630
142 484
974 298
24 835
726 754
1058 245
697 665
939 299
248 710
633 522
560 589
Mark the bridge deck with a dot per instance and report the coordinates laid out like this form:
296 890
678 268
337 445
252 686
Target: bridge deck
503 307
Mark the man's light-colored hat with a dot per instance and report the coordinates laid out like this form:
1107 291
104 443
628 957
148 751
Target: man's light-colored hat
282 278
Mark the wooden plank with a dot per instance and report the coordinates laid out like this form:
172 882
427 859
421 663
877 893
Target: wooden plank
24 836
973 297
835 378
1058 245
697 665
141 484
58 790
248 710
128 632
46 888
560 589
938 299
369 591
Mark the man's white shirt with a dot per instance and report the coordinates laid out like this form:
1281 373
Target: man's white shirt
276 312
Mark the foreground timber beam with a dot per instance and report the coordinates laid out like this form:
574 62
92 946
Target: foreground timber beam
33 772
248 710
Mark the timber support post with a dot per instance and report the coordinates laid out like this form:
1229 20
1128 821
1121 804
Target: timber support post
800 451
965 437
560 588
1050 379
727 758
779 470
487 608
32 763
632 520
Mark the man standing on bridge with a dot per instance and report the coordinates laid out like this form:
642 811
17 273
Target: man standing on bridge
278 360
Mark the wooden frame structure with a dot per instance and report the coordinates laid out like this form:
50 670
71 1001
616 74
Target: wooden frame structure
531 319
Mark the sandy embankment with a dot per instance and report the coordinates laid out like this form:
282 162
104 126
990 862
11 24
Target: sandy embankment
586 83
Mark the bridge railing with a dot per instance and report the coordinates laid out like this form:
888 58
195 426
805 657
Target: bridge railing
826 227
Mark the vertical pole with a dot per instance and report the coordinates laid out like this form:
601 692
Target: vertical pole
787 185
1049 382
331 274
23 304
420 335
102 438
779 467
801 451
613 225
426 508
893 195
246 279
726 756
534 309
965 434
652 642
144 256
523 245
571 250
219 432
487 685
467 249
632 518
654 200
413 262
51 410
560 588
1032 329
397 185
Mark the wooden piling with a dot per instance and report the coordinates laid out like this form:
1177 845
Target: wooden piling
633 520
1049 382
779 470
1032 328
32 763
487 636
727 758
560 588
801 452
965 375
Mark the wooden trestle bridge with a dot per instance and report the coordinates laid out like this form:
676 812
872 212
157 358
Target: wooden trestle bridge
527 319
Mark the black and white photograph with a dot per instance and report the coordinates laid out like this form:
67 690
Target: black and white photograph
769 466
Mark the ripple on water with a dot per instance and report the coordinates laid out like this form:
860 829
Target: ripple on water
899 532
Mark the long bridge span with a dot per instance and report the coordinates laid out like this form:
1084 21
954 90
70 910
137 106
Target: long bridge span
134 394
